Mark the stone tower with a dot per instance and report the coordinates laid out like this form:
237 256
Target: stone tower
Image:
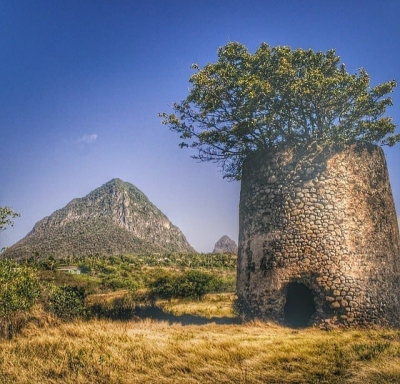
318 237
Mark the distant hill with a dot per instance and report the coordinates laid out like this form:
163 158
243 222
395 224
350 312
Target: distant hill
116 218
225 245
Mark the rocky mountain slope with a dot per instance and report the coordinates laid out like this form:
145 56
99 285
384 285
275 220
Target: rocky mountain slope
225 244
116 218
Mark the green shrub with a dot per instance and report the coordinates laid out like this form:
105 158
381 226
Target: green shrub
220 284
19 290
68 302
193 284
164 286
117 283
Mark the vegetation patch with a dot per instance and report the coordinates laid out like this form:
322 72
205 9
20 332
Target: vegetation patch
196 338
19 290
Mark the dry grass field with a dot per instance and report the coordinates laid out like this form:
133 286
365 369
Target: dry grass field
154 351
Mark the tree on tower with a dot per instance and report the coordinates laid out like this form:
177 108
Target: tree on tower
277 96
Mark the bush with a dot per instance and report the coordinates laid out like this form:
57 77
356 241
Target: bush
19 290
163 287
220 284
191 284
68 302
118 282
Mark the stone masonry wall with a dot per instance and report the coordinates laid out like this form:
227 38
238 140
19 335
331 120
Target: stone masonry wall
324 217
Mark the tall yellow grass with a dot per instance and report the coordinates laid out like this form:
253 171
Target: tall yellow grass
212 305
145 351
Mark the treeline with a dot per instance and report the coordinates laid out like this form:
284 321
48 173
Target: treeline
178 260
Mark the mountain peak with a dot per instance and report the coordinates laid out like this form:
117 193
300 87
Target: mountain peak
117 182
114 218
225 244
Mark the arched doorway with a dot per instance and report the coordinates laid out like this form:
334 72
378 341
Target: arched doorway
299 306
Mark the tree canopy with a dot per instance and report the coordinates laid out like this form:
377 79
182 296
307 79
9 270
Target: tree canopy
6 216
247 102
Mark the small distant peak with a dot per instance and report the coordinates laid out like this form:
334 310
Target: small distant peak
225 244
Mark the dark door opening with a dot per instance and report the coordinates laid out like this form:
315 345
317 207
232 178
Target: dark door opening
299 306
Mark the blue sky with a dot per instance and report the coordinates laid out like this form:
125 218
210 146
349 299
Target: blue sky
82 82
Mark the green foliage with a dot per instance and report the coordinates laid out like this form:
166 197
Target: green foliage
132 272
91 284
68 302
164 285
140 279
117 283
192 284
19 290
207 261
247 102
6 216
221 284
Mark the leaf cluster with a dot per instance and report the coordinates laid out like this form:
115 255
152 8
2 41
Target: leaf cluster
6 216
68 302
19 290
247 102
